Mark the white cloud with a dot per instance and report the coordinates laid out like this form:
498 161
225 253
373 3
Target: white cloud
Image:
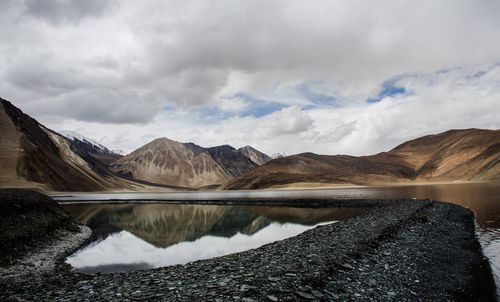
436 102
109 69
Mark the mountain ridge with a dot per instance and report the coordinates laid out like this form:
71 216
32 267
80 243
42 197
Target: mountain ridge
165 161
255 155
459 154
35 156
168 162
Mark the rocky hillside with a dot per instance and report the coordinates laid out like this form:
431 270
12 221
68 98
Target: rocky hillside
471 154
234 162
167 162
466 155
35 156
255 155
98 156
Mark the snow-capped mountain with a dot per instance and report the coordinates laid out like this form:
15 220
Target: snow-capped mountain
255 155
36 157
72 135
279 155
91 150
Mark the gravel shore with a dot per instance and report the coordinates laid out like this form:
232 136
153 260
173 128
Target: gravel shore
35 235
407 250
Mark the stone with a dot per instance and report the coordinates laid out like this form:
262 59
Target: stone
317 294
347 266
305 295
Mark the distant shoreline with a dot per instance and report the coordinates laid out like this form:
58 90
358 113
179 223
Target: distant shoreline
291 187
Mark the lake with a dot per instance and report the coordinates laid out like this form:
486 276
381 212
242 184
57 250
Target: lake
135 236
139 236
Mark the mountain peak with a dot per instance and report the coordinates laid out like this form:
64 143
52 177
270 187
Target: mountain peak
224 147
168 162
72 135
33 155
164 140
255 155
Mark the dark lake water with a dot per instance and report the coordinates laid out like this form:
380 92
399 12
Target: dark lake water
132 236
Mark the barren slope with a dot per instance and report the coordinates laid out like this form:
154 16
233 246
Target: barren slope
168 162
234 162
34 156
255 155
471 154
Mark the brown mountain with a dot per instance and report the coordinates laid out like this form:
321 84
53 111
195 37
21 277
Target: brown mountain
35 156
255 155
234 162
467 155
96 155
168 162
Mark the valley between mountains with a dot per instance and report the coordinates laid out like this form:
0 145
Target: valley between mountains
34 156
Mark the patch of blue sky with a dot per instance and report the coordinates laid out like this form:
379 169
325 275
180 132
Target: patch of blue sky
315 97
477 74
258 107
169 108
255 107
262 109
212 113
388 89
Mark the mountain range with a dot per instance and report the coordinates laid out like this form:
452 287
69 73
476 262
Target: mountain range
466 155
35 156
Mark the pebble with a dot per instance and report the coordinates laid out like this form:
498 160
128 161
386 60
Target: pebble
305 295
347 266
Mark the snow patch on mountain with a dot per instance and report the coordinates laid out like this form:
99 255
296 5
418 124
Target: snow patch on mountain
72 135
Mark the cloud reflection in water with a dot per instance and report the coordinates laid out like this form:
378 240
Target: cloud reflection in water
121 250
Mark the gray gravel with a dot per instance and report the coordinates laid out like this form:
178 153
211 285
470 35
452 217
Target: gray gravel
408 250
46 258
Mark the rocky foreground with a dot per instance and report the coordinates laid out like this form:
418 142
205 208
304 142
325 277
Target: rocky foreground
35 234
405 250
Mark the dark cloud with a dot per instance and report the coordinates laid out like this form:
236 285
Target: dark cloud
99 105
40 74
72 11
124 61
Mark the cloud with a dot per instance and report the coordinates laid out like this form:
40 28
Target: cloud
72 11
305 70
459 98
288 121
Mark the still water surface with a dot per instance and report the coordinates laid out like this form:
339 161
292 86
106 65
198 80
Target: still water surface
131 236
138 236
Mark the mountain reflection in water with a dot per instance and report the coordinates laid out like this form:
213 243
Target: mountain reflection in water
135 236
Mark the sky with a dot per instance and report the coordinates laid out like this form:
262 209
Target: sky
330 77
